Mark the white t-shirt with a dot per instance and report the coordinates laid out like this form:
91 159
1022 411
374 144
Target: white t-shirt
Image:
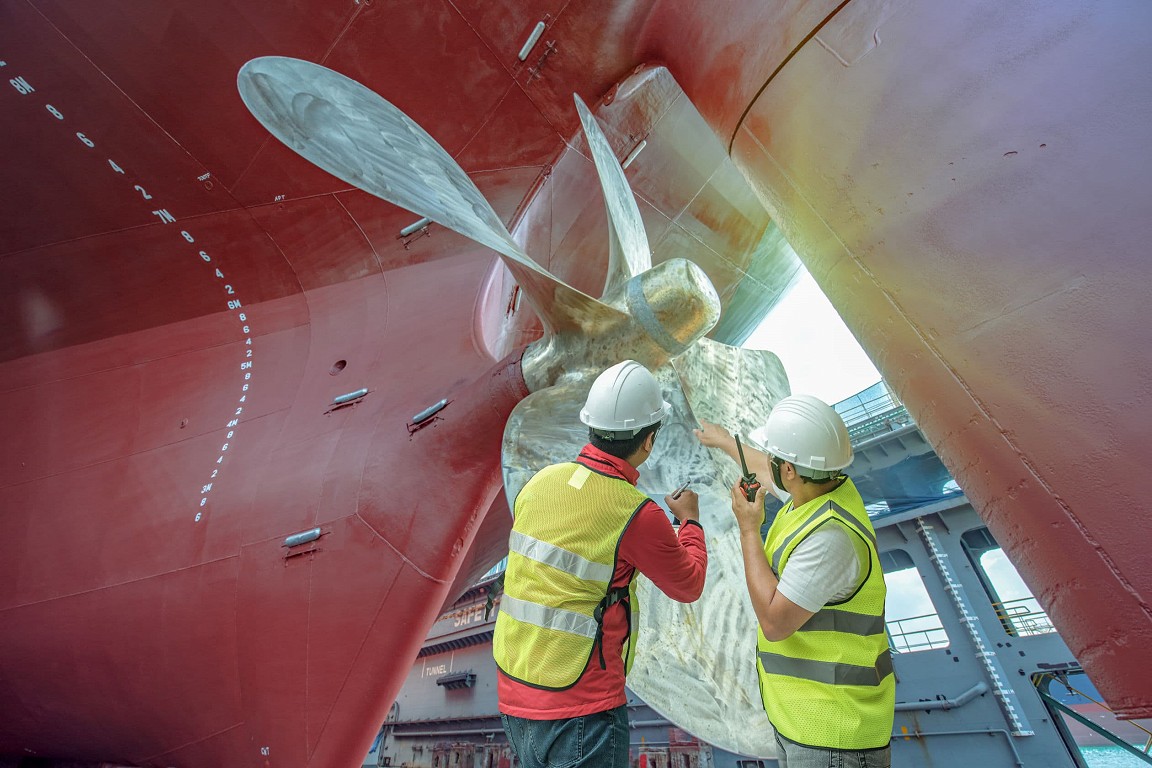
822 569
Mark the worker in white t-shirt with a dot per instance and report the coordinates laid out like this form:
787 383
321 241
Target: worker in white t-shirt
818 591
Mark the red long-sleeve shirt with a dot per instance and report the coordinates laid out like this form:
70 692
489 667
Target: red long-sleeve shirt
675 563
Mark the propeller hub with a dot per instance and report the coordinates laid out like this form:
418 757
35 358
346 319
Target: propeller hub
674 303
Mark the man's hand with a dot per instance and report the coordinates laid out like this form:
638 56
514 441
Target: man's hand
714 436
749 514
687 507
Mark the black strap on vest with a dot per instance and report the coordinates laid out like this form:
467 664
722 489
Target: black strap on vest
615 595
493 588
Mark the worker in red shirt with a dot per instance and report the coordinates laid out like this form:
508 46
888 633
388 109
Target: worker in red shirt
566 632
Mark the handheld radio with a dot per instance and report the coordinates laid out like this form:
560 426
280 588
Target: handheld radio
748 482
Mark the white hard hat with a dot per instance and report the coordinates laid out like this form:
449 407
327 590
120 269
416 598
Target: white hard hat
808 432
623 400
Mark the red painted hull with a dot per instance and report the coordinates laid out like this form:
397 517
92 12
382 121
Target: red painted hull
969 186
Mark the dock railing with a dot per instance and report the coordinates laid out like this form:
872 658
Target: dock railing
917 633
1023 617
873 410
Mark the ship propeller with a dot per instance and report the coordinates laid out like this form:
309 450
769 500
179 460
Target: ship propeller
690 665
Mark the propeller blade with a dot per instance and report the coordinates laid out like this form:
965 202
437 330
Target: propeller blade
628 252
353 133
543 429
356 135
694 662
731 386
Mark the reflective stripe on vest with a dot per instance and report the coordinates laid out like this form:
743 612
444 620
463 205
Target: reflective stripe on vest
832 620
830 506
558 558
549 618
828 672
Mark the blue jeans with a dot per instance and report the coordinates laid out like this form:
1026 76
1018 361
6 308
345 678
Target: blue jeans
599 739
793 755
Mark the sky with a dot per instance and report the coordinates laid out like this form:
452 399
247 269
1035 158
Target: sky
791 329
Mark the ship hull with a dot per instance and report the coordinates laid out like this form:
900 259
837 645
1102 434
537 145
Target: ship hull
184 300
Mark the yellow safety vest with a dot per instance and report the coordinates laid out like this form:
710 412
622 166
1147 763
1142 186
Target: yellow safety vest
830 684
562 556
